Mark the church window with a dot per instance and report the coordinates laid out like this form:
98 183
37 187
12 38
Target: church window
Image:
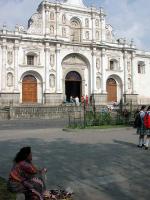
113 64
30 59
9 79
75 30
86 23
141 67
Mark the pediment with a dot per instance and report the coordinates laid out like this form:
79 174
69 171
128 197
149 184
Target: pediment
74 60
10 69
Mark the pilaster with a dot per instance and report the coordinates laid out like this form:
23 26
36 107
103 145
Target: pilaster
3 80
93 25
47 64
103 25
93 78
104 67
125 72
133 73
58 70
16 50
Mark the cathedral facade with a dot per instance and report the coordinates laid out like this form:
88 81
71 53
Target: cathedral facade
68 50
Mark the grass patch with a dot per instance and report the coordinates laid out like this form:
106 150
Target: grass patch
106 126
4 193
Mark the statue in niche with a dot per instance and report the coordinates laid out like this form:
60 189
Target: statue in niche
52 59
64 32
97 22
98 63
128 66
51 16
9 79
52 30
64 19
10 57
129 83
87 23
87 35
97 35
52 81
98 82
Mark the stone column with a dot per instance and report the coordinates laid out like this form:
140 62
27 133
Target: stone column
133 72
47 65
3 75
57 20
125 72
104 67
58 70
103 25
94 71
46 20
43 18
16 49
93 25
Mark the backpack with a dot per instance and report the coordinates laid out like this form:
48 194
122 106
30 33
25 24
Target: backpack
137 121
147 120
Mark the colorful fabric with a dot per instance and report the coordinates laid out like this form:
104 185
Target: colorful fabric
24 178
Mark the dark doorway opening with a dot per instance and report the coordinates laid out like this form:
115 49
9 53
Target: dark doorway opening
73 85
73 89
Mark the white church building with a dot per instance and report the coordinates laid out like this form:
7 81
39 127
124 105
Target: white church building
68 49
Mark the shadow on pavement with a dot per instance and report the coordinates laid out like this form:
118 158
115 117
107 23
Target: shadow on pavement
117 171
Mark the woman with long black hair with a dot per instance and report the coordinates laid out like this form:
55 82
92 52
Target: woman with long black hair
24 176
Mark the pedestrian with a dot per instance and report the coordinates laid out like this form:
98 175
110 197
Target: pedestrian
141 127
147 126
77 101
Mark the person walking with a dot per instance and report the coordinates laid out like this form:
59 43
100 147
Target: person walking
141 127
147 126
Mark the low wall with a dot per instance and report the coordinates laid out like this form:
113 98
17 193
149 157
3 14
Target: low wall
4 115
43 112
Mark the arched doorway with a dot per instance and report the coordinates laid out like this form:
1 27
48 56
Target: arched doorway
111 90
72 85
29 89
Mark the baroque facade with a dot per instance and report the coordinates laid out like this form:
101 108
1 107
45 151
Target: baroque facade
68 50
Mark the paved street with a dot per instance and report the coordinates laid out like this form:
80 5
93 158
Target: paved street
97 164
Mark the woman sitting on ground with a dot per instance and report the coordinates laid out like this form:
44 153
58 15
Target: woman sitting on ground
24 177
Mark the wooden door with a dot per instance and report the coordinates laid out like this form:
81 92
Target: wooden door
29 89
111 90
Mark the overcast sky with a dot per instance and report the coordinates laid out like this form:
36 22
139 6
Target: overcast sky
129 18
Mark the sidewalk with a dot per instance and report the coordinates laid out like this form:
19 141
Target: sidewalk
97 164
